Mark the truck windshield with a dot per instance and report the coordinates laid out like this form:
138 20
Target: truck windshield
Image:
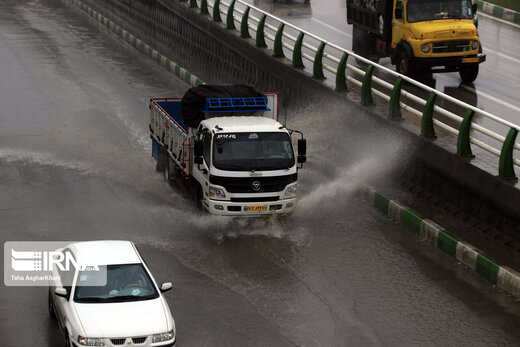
425 10
252 151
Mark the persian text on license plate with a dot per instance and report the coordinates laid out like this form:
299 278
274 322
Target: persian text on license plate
256 208
470 60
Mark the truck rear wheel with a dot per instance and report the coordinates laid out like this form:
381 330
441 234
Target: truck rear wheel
468 73
161 160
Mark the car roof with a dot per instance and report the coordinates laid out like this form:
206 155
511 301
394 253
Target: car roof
110 252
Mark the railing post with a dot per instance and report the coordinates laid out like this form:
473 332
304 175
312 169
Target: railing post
506 169
230 21
366 87
297 61
277 48
427 118
463 142
394 107
317 70
260 38
244 28
341 80
193 4
216 11
204 7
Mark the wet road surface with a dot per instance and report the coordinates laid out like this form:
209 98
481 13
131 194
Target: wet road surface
75 164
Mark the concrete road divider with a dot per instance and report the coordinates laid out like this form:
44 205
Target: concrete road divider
504 277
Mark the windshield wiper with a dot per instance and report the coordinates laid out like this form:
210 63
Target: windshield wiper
91 299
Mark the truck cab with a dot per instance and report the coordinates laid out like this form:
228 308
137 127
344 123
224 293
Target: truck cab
247 165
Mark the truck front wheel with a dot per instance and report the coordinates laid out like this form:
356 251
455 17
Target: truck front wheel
403 64
468 73
199 196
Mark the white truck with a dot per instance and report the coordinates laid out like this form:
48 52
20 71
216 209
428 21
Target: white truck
227 148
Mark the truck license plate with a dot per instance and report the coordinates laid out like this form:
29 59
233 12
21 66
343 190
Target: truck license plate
470 60
256 208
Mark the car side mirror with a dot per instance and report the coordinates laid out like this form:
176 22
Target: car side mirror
61 292
474 9
166 287
198 160
398 13
302 147
197 148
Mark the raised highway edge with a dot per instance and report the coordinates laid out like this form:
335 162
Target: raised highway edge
498 11
170 65
427 230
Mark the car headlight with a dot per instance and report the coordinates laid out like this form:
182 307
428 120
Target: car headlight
425 48
90 341
163 336
216 193
290 192
474 45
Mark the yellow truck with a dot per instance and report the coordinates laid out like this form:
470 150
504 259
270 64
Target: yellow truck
418 35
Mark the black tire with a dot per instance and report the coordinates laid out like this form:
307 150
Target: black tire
402 65
50 307
167 174
161 159
67 340
198 196
468 73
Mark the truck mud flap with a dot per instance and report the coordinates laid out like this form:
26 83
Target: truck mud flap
155 149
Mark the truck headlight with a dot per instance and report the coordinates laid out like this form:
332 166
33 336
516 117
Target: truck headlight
90 341
425 48
290 192
216 193
163 336
474 45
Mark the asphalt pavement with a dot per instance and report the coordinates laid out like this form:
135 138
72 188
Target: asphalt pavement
75 164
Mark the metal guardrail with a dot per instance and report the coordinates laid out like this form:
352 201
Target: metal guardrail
327 58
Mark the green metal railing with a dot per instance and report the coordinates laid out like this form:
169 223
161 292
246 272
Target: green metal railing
329 60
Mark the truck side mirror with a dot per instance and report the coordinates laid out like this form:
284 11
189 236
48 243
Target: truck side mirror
198 160
398 13
302 147
197 148
474 8
302 159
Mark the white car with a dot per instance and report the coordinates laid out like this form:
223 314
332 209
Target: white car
129 310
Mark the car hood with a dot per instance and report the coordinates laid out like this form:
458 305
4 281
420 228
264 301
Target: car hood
123 319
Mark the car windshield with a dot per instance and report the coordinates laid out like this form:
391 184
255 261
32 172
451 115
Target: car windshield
253 151
128 282
425 10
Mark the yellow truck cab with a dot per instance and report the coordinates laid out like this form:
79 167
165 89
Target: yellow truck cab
418 35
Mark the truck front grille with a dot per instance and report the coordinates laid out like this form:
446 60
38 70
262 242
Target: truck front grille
118 341
247 184
265 199
451 46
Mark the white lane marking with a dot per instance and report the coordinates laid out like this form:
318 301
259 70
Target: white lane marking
480 13
331 27
497 100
